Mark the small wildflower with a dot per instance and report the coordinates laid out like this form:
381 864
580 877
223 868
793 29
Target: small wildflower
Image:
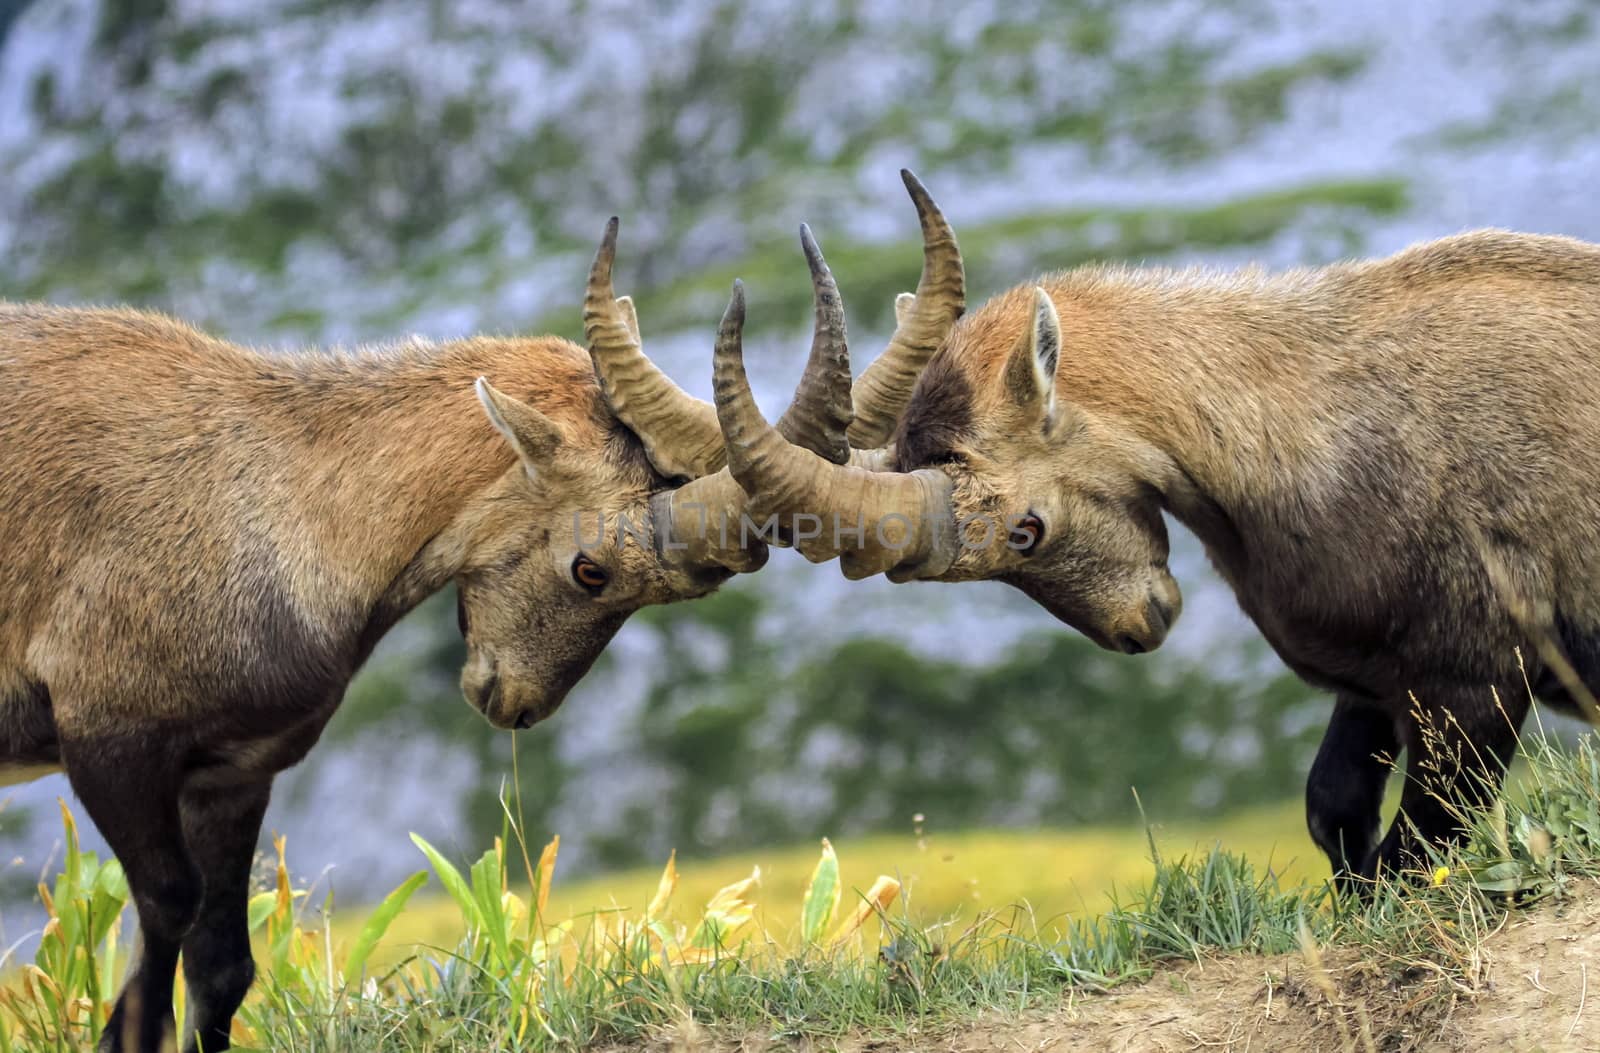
1440 876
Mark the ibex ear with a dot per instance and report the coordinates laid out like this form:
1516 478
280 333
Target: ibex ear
1031 370
534 436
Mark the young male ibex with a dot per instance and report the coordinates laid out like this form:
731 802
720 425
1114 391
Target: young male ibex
1395 465
203 544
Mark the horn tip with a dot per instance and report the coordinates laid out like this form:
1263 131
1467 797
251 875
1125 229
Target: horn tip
606 253
813 251
913 185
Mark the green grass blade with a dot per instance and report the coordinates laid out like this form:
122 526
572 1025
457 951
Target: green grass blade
453 882
486 875
378 923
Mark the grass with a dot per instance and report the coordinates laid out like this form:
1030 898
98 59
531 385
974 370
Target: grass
820 961
945 876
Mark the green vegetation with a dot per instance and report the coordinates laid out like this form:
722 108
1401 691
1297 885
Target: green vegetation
951 876
519 980
439 189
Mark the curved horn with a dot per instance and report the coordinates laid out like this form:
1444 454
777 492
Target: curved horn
679 431
885 388
699 523
703 523
821 411
897 523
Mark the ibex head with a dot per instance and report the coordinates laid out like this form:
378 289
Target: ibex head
576 538
547 582
995 479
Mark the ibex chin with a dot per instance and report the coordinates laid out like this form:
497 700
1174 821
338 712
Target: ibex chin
205 542
1395 464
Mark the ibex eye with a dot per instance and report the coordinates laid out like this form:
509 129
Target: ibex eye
1027 534
588 573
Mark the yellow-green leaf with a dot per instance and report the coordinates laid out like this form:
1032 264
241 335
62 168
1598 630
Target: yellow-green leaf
877 900
664 888
822 896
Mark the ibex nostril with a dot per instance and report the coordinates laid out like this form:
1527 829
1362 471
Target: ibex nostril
488 693
1158 615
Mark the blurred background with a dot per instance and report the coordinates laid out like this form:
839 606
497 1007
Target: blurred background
336 171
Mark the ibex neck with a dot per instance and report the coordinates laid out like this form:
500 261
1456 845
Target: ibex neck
379 454
1232 381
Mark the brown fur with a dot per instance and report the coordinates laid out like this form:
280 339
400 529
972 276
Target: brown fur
273 500
1360 448
204 542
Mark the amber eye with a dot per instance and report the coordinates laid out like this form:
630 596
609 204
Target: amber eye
588 573
1027 534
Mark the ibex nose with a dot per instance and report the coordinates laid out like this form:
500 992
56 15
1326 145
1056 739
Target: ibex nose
1159 614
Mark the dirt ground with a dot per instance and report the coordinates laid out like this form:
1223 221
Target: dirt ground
1532 993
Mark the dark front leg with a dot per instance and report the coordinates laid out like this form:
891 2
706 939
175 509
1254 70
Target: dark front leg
222 825
130 787
1457 752
1344 792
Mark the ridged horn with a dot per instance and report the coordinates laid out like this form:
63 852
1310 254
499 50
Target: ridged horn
698 524
820 414
897 523
680 432
921 326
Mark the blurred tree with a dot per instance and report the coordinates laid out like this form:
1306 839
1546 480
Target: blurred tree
866 733
9 10
191 139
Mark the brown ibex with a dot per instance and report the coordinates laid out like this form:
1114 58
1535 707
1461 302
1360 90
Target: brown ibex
1395 464
204 543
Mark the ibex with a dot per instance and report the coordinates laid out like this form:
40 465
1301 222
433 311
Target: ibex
205 542
1395 464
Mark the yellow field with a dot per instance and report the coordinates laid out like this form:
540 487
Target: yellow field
947 875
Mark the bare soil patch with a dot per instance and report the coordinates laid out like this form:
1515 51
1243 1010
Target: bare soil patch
1535 987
